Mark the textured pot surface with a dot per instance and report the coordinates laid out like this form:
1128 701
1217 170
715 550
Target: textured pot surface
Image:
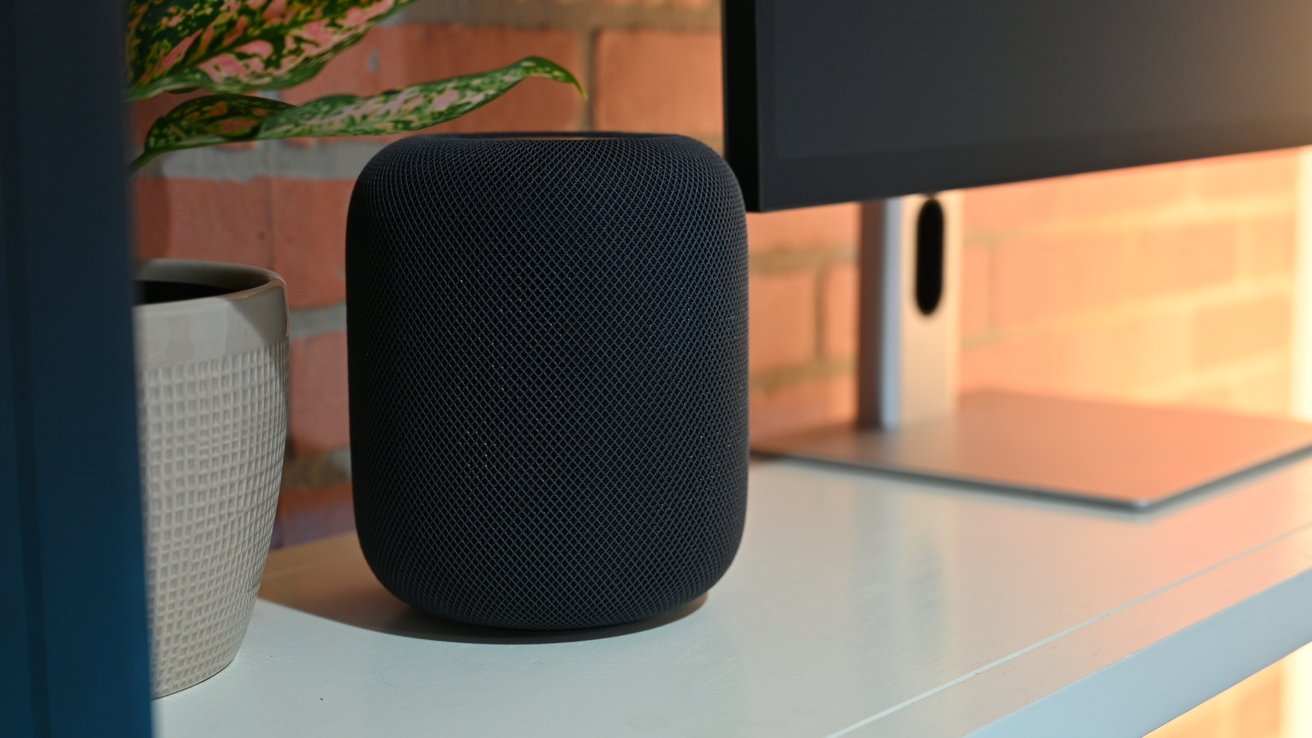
212 379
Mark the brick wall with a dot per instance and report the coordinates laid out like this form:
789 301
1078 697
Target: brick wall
1163 283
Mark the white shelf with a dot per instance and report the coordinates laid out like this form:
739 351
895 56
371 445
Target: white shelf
859 605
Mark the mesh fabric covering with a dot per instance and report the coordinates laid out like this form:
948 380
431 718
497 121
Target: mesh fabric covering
548 375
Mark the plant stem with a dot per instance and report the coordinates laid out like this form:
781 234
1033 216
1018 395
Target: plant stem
143 160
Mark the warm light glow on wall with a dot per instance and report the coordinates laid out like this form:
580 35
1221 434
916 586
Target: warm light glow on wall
1297 720
1298 667
1302 324
1276 703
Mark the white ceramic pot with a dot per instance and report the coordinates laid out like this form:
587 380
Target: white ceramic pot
212 383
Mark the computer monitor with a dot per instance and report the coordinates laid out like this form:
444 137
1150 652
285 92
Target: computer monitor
831 101
848 100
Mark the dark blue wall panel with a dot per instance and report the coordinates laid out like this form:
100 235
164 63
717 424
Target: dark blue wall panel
17 706
74 646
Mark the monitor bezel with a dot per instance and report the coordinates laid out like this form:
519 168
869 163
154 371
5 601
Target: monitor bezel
773 183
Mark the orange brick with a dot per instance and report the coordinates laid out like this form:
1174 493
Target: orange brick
1128 358
309 514
823 226
1211 395
804 405
309 229
1124 191
396 56
1266 391
1249 175
782 320
1041 278
840 313
976 313
663 81
1190 256
203 219
318 394
1076 198
1034 363
1270 243
1260 702
1242 329
1010 207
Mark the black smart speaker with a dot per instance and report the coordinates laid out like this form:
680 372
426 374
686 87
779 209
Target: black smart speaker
548 374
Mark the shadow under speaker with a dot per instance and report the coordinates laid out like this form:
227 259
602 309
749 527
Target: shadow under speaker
548 374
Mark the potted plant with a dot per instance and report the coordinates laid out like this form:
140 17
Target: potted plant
212 337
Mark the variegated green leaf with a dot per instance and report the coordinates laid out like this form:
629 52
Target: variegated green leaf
207 121
224 118
240 45
161 32
409 108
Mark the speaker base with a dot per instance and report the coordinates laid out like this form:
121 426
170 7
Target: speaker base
1110 453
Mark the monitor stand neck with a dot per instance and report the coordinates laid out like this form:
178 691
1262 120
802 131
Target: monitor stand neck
909 303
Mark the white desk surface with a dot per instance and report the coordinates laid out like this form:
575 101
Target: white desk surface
859 605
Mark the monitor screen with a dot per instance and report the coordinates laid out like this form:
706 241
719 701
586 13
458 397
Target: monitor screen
844 100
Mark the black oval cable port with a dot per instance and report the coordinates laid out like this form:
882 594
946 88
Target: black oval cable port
930 247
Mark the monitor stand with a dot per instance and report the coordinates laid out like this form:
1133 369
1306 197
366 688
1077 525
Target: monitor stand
911 422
